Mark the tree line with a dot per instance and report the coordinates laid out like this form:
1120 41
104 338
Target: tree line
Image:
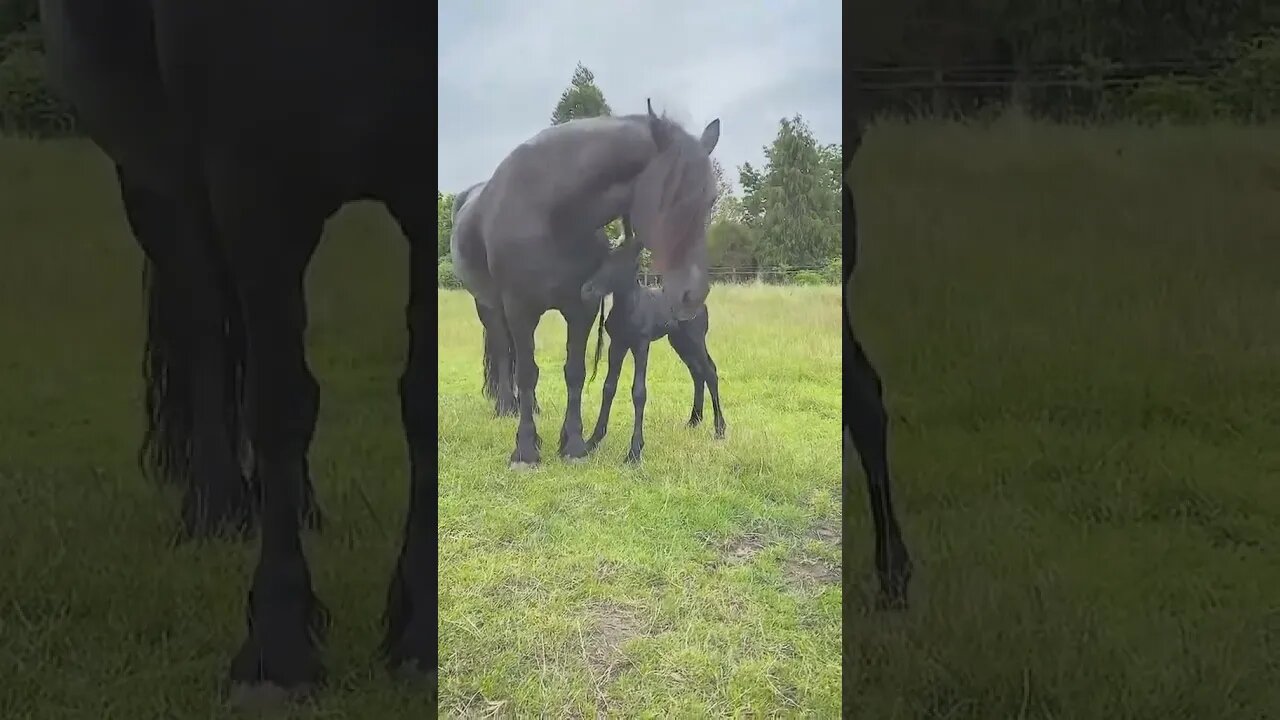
786 220
1172 59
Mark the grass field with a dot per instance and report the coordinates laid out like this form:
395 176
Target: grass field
1079 331
703 583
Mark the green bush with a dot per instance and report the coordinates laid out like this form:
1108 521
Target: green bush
1166 99
808 277
444 274
27 105
831 272
1251 82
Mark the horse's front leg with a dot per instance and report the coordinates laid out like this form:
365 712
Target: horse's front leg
638 395
523 324
269 244
575 376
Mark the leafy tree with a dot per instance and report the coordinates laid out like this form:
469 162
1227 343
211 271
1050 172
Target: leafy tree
794 203
444 222
584 99
731 244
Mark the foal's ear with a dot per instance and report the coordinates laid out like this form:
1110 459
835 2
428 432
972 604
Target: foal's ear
711 136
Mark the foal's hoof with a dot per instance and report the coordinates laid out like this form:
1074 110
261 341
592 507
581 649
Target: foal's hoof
632 458
694 422
893 586
520 466
313 519
266 696
719 435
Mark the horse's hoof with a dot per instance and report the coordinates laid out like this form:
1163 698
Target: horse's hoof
521 466
265 696
631 459
573 450
720 434
412 671
693 422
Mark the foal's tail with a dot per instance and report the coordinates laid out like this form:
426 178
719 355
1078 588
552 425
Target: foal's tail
595 362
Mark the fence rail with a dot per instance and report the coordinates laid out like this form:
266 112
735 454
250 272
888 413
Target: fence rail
729 275
769 275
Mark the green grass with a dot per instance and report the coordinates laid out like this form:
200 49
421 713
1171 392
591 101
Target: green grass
1077 329
702 584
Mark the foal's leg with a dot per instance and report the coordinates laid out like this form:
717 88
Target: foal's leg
685 349
410 616
575 376
867 430
617 353
193 427
269 245
712 377
638 394
522 324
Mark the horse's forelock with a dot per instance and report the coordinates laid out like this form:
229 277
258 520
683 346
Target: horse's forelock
684 188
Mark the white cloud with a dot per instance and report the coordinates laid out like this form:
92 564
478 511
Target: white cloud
503 65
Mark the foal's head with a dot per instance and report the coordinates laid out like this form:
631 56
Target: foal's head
671 209
616 274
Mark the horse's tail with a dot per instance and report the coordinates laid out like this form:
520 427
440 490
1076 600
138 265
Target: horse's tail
166 444
169 356
595 362
490 388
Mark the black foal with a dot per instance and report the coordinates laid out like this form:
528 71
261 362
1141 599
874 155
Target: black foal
638 317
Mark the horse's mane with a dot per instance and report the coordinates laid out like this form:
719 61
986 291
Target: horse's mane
685 189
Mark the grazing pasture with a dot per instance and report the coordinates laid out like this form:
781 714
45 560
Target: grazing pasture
1079 333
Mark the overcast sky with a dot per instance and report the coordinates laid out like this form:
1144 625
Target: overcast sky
504 63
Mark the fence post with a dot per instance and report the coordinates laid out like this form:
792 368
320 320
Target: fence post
938 104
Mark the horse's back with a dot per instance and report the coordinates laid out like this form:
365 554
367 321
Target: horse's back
569 178
329 91
101 58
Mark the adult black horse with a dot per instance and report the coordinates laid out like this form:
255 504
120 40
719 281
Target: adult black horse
238 127
528 240
866 424
571 263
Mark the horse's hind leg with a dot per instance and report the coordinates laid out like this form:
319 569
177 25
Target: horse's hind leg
193 361
575 376
409 643
867 430
269 243
522 323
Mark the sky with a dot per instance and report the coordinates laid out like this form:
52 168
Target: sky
503 65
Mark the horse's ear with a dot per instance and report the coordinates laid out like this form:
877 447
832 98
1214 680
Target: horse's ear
711 136
656 128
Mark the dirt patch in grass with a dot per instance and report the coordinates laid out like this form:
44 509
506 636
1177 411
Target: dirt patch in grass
740 549
826 531
806 573
611 627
